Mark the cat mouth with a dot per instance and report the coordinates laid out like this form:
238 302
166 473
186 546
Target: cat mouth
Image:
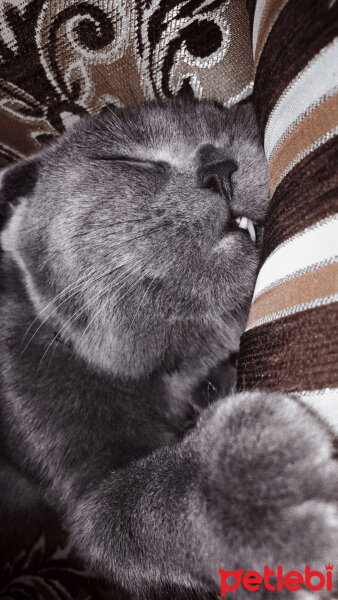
247 225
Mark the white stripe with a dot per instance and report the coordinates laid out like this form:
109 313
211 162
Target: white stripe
318 78
304 114
325 402
318 265
293 310
314 244
260 6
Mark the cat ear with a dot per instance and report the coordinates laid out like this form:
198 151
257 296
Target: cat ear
17 182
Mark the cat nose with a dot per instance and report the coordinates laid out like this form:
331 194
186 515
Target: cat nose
215 171
217 176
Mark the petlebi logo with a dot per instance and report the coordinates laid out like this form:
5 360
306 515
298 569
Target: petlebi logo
292 580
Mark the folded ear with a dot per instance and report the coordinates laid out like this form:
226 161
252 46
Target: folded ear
17 182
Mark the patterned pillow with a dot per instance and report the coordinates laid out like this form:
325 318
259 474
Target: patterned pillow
61 60
290 342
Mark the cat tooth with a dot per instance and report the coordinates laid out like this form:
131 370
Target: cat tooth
243 223
251 230
246 223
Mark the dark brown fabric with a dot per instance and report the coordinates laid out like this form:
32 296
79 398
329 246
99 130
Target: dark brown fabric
295 361
251 5
302 29
36 561
306 195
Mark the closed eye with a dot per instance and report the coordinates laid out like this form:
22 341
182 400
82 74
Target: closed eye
120 158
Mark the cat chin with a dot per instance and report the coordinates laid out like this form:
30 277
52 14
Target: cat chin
115 356
128 356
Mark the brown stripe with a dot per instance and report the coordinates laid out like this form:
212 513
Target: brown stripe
305 288
315 125
303 28
295 353
271 12
307 194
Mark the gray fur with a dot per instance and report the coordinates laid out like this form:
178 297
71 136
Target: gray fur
137 267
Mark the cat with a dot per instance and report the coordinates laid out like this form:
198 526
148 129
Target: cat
129 255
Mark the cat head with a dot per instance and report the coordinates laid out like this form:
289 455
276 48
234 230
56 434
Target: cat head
128 232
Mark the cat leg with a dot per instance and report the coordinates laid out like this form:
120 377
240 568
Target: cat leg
253 484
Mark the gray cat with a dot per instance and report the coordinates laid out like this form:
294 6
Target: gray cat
130 252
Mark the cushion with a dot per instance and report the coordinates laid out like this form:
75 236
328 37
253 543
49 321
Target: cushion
62 60
290 342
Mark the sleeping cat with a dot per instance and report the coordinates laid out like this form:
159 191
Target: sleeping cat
130 251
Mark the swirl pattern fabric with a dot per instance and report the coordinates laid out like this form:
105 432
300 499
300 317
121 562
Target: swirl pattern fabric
291 337
60 60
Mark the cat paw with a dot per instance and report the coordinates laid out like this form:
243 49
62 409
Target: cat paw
269 481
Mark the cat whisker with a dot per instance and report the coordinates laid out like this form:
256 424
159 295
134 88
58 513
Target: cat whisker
141 301
110 226
119 300
64 291
139 306
144 234
81 310
79 287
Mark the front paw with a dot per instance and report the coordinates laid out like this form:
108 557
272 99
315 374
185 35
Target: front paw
270 485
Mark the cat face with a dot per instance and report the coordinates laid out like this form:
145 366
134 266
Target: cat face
126 229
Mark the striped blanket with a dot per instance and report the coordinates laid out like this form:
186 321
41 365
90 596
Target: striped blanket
291 338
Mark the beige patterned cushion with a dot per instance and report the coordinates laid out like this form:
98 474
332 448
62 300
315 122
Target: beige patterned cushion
62 59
